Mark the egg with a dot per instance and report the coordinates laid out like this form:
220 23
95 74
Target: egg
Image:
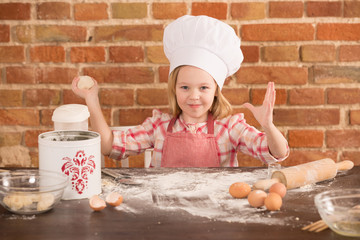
239 189
278 188
85 82
114 199
273 202
256 198
96 203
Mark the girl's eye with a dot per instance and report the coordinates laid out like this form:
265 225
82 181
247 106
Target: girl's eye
204 88
184 87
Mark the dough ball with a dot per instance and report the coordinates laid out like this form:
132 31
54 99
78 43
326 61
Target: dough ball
85 82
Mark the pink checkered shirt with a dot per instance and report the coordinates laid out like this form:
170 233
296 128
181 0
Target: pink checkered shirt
232 134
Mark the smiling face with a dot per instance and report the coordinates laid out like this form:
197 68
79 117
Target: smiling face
195 91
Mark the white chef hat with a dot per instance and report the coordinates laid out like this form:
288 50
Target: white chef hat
203 42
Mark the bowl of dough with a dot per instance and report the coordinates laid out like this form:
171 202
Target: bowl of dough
31 191
340 210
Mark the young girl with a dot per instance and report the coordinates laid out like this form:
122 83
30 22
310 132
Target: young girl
200 132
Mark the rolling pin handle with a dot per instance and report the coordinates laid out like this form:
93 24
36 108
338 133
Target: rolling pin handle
344 165
265 184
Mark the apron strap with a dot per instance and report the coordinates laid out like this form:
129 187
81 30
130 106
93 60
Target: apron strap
210 124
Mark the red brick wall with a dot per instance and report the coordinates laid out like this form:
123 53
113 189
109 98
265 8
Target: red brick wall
310 49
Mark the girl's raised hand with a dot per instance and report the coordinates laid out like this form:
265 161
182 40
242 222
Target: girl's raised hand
86 94
264 113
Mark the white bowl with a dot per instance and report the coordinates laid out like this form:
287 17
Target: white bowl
31 191
340 210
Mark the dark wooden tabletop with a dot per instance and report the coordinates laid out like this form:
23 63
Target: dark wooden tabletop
74 219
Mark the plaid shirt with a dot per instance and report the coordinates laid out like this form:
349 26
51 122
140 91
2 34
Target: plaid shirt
232 134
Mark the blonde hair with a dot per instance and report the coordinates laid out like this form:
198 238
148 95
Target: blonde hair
220 108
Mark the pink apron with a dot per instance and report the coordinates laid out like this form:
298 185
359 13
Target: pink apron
190 150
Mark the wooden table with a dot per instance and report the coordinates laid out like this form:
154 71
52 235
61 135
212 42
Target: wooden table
75 220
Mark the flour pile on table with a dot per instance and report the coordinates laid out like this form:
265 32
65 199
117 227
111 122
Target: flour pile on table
198 193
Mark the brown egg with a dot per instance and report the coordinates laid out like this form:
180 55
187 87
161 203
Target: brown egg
273 202
96 203
278 188
114 199
239 189
256 198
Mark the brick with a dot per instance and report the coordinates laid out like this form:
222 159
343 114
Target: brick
335 74
306 96
338 31
34 159
279 53
323 9
251 54
128 33
54 54
12 54
111 163
23 33
342 138
60 33
236 96
56 75
245 160
279 75
126 54
297 157
129 117
15 11
164 74
318 53
258 95
24 75
352 9
169 10
87 54
10 138
41 97
90 11
45 117
53 10
129 10
355 117
349 53
306 138
278 32
4 33
211 9
353 156
152 96
155 54
248 11
288 9
21 117
70 98
117 97
343 95
306 117
31 137
11 98
121 74
107 113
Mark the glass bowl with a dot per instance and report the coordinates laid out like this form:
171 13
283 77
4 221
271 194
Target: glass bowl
31 191
340 210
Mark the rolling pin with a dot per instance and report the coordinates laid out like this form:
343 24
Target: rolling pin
303 174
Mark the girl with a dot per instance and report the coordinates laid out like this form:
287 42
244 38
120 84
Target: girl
200 132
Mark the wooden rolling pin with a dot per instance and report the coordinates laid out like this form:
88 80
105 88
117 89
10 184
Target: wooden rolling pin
303 174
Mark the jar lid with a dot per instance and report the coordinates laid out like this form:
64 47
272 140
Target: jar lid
71 113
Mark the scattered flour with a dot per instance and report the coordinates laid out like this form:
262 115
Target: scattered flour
198 193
